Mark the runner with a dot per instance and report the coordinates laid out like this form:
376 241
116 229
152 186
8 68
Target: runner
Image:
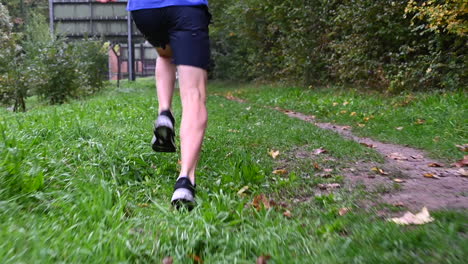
178 29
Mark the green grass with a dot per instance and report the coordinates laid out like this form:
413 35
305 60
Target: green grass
432 121
79 183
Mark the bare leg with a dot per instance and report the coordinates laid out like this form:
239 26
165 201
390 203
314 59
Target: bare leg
165 78
192 82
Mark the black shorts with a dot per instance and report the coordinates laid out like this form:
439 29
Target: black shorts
184 28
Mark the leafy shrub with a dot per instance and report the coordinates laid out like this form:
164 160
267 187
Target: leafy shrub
365 43
91 57
58 70
13 85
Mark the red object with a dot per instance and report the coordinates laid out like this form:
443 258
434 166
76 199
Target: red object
105 1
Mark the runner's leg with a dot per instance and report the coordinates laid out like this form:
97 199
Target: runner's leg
192 82
165 78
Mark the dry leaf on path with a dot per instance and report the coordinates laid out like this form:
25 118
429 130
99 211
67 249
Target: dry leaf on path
367 145
398 180
420 121
463 147
329 186
346 128
408 218
261 201
263 259
280 172
379 170
167 260
320 151
242 190
417 157
343 211
274 153
431 175
435 165
463 172
461 163
397 156
316 166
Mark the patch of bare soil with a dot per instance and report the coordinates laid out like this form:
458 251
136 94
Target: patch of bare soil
422 181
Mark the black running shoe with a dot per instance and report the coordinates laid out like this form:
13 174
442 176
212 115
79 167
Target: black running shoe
184 194
163 139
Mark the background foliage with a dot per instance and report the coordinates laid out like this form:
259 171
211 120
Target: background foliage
390 45
32 62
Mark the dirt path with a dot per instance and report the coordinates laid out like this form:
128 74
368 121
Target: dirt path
421 184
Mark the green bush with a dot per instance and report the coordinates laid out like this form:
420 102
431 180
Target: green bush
364 43
91 57
58 69
13 84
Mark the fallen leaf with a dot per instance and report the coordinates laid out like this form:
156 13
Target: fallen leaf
435 165
463 172
261 201
420 121
379 170
398 204
143 205
280 172
399 128
436 139
461 163
196 259
287 213
316 166
366 119
361 125
431 175
346 128
263 259
329 186
320 151
335 104
274 153
343 111
352 114
367 145
408 218
248 108
417 157
463 147
397 156
167 260
233 131
345 103
242 190
398 180
343 211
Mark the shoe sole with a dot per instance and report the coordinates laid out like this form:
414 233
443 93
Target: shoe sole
163 140
183 198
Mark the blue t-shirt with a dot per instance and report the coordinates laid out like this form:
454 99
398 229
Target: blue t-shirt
147 4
